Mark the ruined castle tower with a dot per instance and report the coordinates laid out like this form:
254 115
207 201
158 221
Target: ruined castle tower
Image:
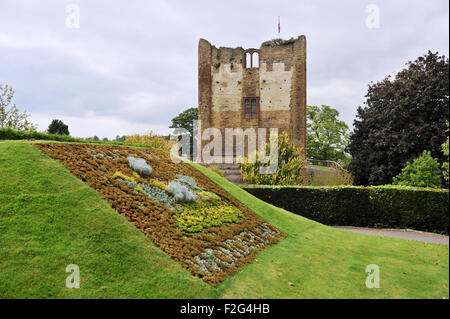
254 88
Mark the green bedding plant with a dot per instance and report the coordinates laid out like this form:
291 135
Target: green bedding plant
200 215
204 195
120 175
153 192
157 194
156 183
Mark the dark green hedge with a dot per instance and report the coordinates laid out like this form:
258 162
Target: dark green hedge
10 134
422 209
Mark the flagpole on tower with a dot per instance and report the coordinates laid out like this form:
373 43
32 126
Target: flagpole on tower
279 27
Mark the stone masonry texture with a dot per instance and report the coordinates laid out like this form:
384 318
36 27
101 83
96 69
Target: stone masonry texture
278 82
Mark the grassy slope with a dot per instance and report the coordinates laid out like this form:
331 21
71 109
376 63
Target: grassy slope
49 219
324 262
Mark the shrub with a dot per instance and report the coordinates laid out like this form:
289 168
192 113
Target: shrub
201 215
445 151
423 209
290 172
290 166
277 42
180 192
423 172
151 140
139 165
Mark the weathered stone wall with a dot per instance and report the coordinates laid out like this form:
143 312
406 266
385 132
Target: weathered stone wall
204 82
279 82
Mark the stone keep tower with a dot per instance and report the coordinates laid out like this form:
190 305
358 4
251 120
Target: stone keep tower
254 88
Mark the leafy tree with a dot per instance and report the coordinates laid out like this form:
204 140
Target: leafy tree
184 120
327 135
105 139
445 151
10 116
402 117
423 172
58 127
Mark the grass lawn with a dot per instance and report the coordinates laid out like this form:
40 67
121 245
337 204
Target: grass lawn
319 166
49 219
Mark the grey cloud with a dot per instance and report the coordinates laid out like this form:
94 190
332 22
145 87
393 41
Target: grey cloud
134 63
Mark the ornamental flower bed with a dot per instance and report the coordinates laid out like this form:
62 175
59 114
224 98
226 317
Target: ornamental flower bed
183 212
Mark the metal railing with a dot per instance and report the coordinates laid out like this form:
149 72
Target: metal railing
326 163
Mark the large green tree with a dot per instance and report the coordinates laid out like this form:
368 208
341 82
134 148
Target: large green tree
327 136
402 117
184 120
58 127
10 116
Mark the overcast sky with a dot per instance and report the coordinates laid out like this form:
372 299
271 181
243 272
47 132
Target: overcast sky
131 65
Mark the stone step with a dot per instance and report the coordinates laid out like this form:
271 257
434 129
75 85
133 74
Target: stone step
232 171
230 168
223 165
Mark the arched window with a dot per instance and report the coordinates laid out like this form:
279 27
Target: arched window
255 60
248 60
251 59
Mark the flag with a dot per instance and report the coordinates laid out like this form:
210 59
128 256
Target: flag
279 24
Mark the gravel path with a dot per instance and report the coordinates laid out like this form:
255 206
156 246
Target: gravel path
399 233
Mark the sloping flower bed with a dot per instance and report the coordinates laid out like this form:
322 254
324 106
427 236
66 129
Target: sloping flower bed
179 209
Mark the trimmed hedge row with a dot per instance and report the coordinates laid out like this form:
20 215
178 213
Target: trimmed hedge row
11 134
388 206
